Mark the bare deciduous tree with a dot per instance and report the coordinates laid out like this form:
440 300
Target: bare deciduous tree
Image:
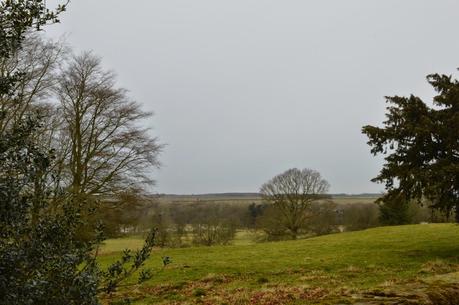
35 67
291 194
104 148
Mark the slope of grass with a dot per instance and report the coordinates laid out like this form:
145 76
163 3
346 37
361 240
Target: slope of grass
327 266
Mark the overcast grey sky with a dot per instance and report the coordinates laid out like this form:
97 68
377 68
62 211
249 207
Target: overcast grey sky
245 89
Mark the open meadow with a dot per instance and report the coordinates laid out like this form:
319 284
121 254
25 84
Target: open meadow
346 268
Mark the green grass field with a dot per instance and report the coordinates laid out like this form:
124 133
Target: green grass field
323 270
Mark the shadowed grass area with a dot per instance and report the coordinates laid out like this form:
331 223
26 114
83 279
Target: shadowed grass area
350 261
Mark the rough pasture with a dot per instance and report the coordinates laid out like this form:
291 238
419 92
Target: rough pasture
381 263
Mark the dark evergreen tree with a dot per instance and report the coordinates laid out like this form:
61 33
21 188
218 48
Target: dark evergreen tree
395 211
421 145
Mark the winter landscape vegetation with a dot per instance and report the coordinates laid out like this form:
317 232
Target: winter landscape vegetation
98 207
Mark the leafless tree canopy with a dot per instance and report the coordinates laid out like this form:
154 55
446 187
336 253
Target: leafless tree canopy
291 193
36 67
104 147
93 127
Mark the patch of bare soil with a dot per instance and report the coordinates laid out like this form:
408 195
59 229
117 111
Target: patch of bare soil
435 290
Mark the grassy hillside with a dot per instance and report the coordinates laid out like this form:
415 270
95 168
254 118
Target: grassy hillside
322 270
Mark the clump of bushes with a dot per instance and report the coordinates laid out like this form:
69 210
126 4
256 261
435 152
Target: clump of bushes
213 233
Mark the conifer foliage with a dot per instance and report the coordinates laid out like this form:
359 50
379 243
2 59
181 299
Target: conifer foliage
421 147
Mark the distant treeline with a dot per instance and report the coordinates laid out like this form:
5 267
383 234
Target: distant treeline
201 221
245 195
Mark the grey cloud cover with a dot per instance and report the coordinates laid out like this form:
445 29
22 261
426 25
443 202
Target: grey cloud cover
244 89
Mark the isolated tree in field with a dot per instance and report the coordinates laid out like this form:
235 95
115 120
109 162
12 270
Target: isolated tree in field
102 143
421 145
291 194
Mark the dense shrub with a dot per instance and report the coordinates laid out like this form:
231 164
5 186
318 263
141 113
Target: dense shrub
213 233
359 216
40 246
323 218
271 225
